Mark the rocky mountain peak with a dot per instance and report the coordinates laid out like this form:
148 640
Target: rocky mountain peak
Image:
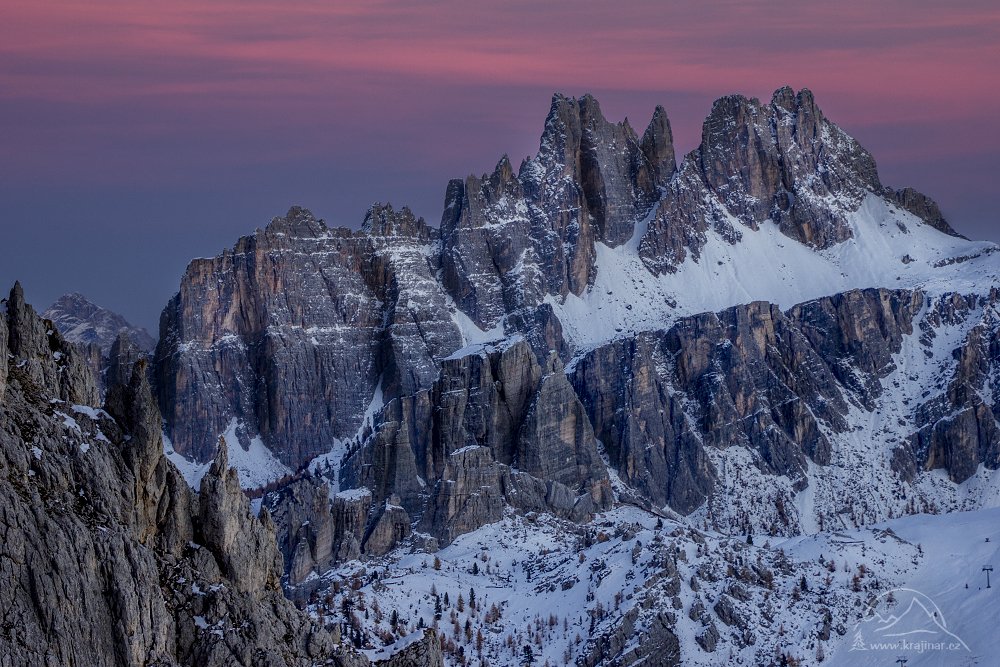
601 327
298 222
561 136
77 302
657 146
383 221
782 162
784 97
793 102
25 328
503 172
52 363
592 118
344 342
85 323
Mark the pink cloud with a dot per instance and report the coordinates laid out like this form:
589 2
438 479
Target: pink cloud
896 49
343 73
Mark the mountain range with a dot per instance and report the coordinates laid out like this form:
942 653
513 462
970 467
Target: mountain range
603 352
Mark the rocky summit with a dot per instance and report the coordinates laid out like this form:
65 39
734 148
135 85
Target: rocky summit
612 410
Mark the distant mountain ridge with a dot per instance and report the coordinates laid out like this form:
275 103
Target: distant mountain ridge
84 322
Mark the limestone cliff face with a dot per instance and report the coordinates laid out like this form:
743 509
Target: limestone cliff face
291 331
958 427
107 556
783 161
509 240
494 430
752 376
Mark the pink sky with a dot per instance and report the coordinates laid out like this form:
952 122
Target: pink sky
233 110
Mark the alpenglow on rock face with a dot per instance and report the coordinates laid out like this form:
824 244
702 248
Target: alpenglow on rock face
708 333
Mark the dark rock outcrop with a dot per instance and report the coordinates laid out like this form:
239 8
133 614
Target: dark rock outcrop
390 527
921 206
44 358
245 548
305 522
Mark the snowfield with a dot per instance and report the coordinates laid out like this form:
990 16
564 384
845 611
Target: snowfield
768 266
564 590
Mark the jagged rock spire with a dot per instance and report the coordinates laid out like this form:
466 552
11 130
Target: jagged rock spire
245 546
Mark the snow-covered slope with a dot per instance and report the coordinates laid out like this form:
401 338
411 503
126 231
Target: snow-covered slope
255 464
952 620
890 248
570 593
866 480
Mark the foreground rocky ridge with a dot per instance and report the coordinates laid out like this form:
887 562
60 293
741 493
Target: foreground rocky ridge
107 556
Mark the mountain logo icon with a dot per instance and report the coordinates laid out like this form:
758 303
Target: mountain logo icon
904 618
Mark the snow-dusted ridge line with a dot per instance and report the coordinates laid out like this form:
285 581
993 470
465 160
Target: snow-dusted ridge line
766 265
